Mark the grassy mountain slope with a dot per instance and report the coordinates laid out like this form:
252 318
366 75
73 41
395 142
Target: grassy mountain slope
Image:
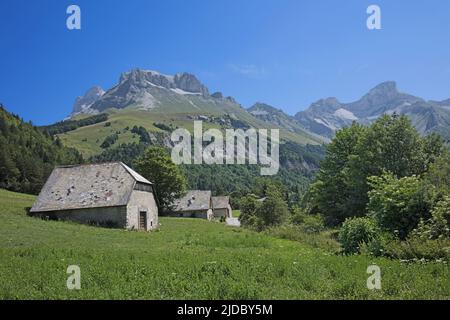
89 138
188 259
279 119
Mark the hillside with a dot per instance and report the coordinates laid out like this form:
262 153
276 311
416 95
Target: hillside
27 155
279 119
188 259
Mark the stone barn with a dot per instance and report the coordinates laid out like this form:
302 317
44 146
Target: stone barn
107 194
195 204
221 207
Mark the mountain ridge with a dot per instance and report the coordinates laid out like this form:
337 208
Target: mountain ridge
150 97
183 93
326 116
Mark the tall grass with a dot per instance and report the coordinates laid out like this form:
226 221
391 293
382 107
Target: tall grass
189 259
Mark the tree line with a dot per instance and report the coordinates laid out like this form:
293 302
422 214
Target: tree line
70 125
28 155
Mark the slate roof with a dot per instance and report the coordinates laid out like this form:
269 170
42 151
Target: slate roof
87 186
194 200
220 202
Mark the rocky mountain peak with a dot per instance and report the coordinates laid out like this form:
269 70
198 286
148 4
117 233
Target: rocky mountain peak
146 89
189 83
142 78
381 99
183 81
84 102
217 95
93 92
385 91
263 106
326 105
387 87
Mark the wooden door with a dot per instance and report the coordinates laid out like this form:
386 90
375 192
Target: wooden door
142 220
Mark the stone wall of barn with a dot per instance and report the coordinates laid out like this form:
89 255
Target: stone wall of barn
202 214
218 213
142 201
114 217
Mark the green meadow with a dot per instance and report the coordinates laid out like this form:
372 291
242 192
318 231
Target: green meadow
189 259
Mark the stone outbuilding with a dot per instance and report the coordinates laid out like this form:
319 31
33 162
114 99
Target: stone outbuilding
107 194
195 204
221 207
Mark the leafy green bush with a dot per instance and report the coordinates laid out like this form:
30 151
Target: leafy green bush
377 246
416 248
260 214
311 223
357 231
436 181
273 210
438 226
397 204
248 206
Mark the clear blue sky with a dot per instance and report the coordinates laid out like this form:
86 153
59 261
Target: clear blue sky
285 53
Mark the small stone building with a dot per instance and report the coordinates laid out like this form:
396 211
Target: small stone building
221 207
107 194
195 204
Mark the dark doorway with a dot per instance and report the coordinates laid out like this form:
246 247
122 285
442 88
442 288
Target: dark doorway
142 220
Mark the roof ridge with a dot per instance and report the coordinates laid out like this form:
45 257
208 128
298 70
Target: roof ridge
136 176
87 164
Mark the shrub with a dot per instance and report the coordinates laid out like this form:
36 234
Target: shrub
297 216
436 182
377 246
313 223
357 231
397 204
416 248
272 211
310 223
438 226
441 215
109 141
248 206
